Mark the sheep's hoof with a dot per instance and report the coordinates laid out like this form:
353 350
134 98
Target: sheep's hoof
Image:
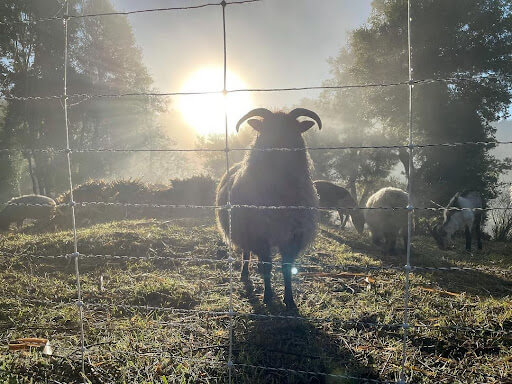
290 304
267 297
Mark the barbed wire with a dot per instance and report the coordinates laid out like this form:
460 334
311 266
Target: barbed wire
325 319
252 149
88 96
123 13
172 258
249 206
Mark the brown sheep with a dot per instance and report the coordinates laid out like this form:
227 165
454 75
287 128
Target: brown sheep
332 195
272 178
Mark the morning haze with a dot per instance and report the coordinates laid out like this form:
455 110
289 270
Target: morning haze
345 234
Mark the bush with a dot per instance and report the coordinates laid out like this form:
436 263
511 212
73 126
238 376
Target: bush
196 190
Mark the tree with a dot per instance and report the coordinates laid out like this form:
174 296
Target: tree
103 59
214 163
450 39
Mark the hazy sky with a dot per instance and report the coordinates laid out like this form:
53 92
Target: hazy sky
273 43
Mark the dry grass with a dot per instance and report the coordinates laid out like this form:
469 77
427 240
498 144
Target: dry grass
338 334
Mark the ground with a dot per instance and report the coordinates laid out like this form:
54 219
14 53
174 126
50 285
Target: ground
347 323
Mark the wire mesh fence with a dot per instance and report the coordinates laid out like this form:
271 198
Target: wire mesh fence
88 308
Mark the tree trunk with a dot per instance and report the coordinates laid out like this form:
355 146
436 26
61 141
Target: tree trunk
35 186
403 156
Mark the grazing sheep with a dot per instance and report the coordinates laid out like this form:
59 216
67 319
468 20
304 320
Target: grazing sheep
332 195
13 213
272 178
386 224
467 220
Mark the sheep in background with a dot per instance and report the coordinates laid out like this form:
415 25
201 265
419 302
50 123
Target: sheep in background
454 220
332 195
386 224
43 212
272 178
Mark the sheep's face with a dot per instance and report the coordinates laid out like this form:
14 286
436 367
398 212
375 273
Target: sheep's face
441 236
280 131
357 219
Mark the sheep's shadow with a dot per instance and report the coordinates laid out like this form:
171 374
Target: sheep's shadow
474 282
274 337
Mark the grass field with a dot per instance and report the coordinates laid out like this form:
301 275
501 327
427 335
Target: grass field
346 323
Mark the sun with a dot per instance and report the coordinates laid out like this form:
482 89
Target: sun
205 113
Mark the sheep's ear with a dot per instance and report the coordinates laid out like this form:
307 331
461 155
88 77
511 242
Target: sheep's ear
305 125
256 124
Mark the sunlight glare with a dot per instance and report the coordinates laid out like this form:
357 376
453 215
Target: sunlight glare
205 113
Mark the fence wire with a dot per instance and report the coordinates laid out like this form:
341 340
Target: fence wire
250 206
112 307
407 269
410 208
249 149
170 257
71 201
87 96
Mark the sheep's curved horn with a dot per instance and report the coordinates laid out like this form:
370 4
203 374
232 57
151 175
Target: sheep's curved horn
258 112
298 112
436 204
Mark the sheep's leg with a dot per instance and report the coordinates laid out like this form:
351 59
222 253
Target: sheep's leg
343 218
376 237
467 232
245 266
288 255
390 242
478 231
265 268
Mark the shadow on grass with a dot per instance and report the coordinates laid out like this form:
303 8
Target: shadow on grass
480 283
292 344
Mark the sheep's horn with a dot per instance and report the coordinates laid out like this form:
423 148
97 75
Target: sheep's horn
258 112
436 204
298 112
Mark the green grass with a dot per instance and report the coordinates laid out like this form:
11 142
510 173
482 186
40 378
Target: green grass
128 343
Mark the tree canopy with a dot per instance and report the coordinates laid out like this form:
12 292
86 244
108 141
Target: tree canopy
103 59
467 41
